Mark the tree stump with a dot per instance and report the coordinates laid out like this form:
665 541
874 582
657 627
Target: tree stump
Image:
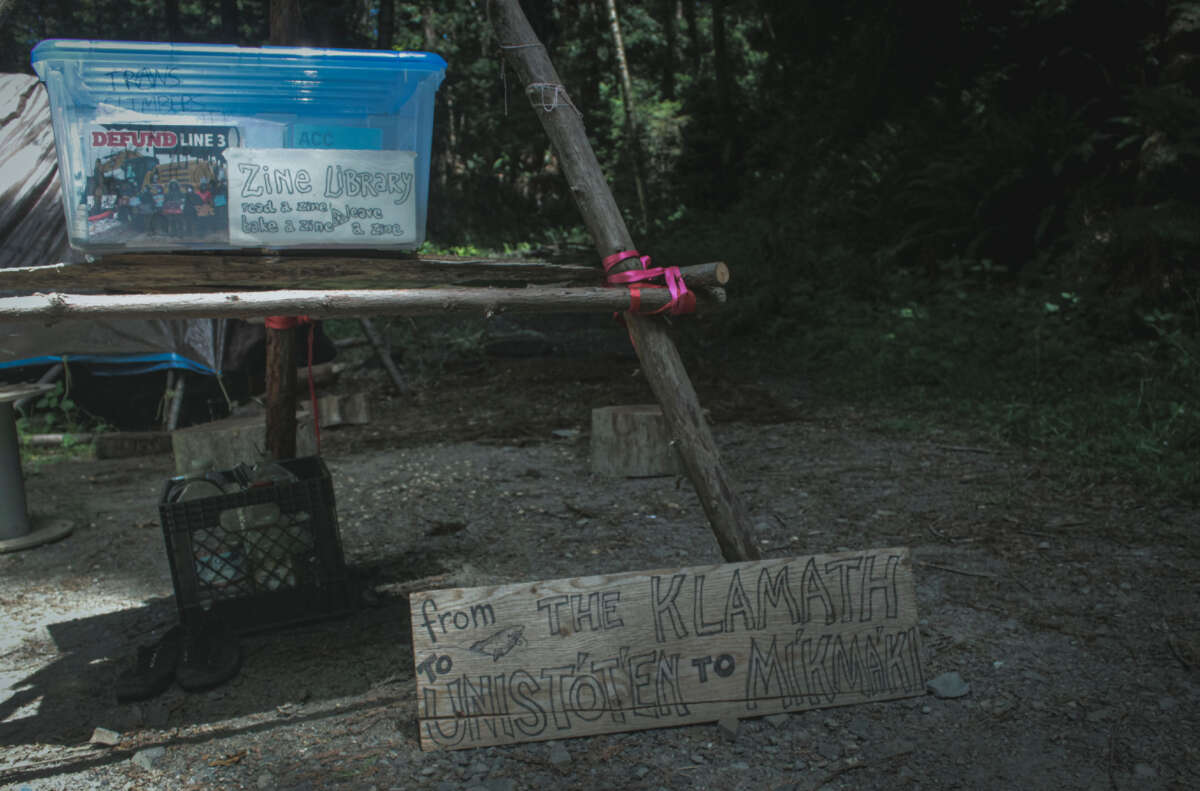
633 441
223 444
338 410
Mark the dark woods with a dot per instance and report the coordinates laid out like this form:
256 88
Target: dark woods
1043 135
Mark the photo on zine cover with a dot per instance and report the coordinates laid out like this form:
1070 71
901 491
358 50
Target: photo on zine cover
157 183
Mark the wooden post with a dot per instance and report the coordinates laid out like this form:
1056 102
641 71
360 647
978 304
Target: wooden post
660 359
281 342
281 392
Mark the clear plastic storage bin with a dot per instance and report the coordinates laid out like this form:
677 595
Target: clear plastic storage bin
195 146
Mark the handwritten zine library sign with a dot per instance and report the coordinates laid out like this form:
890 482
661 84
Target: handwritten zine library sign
573 657
290 196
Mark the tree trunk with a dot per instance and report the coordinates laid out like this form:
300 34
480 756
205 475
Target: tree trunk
669 13
429 34
5 7
632 135
660 359
693 27
65 13
285 23
450 160
229 22
725 124
174 27
387 24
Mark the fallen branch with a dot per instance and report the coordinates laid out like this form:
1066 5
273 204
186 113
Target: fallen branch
964 573
229 760
55 440
1174 649
384 353
408 586
966 449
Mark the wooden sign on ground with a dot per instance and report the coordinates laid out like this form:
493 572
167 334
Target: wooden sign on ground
603 654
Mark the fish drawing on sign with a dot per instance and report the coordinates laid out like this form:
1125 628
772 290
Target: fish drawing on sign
500 643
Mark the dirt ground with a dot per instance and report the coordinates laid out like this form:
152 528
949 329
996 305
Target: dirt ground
1070 607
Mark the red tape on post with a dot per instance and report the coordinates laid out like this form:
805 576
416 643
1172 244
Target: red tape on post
285 322
290 322
682 300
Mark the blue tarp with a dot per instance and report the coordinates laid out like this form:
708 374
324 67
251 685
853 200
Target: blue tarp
117 365
31 211
111 348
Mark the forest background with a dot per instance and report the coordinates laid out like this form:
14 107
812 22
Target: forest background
979 211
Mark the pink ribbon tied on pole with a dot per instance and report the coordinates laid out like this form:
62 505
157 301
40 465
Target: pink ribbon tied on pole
682 300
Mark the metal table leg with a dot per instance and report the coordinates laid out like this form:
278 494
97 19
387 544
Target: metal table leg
17 531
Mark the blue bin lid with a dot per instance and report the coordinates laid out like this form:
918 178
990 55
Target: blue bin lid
81 49
243 79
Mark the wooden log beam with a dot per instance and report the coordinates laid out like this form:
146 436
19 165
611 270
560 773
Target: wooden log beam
185 272
660 359
328 304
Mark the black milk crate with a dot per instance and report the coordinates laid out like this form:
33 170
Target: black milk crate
257 573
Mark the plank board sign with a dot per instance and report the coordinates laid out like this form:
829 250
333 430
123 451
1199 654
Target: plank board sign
574 657
292 196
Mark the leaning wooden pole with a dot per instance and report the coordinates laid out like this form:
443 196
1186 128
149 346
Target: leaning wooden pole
660 359
385 354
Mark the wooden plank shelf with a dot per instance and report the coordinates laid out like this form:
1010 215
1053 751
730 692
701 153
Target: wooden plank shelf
181 272
252 271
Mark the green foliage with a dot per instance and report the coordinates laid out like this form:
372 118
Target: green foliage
1023 366
55 412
